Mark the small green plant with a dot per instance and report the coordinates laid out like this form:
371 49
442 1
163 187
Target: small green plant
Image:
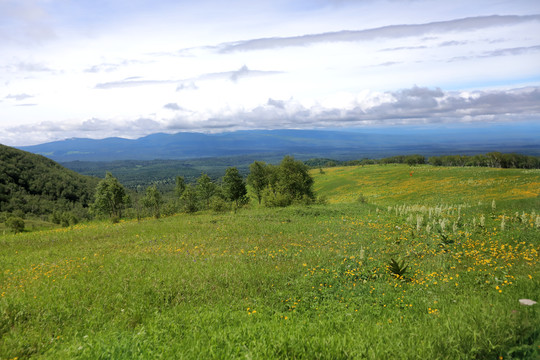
396 268
445 240
361 199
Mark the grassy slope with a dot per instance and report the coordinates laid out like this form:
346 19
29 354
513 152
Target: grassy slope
304 282
391 184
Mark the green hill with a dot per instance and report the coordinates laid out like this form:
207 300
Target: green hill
34 184
385 185
431 263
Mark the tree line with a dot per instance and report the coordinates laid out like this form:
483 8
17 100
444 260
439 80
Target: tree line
492 159
271 185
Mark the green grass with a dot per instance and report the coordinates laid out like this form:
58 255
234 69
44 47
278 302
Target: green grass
30 224
300 282
391 184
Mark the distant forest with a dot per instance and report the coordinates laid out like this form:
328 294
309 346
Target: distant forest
138 174
37 186
493 159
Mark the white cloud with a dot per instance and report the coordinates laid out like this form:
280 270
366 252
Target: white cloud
18 97
133 68
412 106
386 32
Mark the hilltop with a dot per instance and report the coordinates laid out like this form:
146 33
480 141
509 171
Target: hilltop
34 184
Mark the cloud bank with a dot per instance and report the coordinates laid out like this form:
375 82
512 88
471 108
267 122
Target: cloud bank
412 106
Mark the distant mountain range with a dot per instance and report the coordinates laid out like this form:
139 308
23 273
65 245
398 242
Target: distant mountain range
342 144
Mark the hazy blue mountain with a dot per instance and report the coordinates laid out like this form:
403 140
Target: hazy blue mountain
339 144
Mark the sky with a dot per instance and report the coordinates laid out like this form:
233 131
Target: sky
129 68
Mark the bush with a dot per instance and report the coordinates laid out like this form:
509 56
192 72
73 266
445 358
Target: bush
275 199
361 199
15 224
218 204
169 209
65 218
322 200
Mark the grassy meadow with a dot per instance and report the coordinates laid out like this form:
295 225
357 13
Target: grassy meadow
303 282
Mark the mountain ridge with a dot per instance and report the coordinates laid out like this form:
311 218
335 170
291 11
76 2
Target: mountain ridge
339 144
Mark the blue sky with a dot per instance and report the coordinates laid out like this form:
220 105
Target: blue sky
130 68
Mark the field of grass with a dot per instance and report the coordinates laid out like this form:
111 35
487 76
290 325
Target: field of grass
394 184
307 282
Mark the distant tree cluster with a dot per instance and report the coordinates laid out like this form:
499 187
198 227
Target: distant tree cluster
404 159
205 194
493 159
400 159
283 184
271 185
230 193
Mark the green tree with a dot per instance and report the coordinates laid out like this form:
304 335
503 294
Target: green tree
258 178
205 189
189 199
180 186
287 183
153 201
234 186
15 224
110 197
294 180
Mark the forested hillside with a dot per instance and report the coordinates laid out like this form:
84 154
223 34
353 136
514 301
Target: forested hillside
34 184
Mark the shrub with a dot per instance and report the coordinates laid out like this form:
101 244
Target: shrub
15 224
275 199
361 199
218 204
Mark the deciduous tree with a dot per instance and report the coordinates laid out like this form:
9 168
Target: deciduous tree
205 189
234 186
258 178
110 197
153 200
180 186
